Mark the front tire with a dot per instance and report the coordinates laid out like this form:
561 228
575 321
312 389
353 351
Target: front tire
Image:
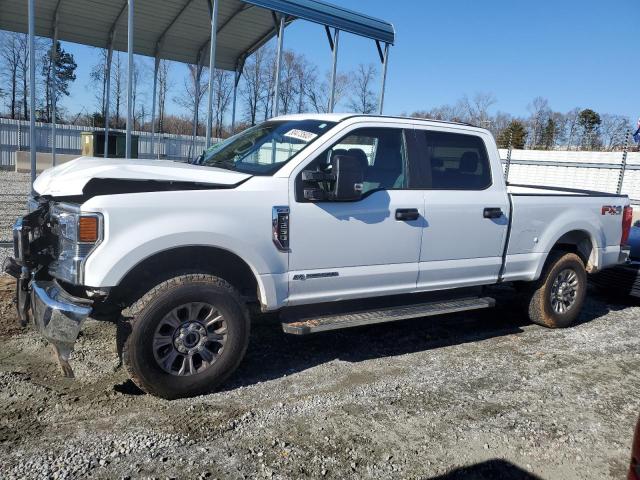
556 299
188 335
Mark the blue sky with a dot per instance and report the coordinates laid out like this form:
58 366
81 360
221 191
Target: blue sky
575 53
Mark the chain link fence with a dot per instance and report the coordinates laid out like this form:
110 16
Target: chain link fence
610 172
14 136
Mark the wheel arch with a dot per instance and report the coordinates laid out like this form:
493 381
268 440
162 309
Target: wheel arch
173 261
582 242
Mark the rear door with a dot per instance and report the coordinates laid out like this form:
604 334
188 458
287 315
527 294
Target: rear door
363 248
466 209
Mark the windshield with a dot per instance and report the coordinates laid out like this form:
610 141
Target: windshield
263 149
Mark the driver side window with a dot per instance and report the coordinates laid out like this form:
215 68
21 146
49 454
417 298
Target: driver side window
381 151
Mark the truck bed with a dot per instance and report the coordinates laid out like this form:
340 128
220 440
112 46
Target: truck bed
541 216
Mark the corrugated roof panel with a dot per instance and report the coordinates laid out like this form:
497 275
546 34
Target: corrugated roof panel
333 16
243 25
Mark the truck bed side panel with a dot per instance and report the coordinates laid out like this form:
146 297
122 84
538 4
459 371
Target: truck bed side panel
540 220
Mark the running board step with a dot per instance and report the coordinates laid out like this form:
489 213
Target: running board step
305 326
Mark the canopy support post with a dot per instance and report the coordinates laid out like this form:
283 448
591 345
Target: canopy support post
32 89
153 104
276 89
129 78
238 75
212 66
196 106
334 70
107 96
385 64
52 81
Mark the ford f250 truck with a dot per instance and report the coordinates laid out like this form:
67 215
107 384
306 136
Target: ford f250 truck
332 221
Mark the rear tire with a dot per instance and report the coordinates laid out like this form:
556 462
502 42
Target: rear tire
556 299
188 335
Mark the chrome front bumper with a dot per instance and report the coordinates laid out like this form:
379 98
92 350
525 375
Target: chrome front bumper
56 314
59 318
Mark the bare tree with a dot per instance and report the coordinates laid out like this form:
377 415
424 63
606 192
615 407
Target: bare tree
613 130
287 90
499 123
23 71
560 120
195 84
540 111
138 96
99 80
304 74
450 113
222 90
268 85
10 54
256 86
363 100
318 91
118 84
164 85
572 126
180 125
477 108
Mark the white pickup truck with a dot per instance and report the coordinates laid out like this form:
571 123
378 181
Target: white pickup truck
305 215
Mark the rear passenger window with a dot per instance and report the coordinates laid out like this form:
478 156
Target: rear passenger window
451 161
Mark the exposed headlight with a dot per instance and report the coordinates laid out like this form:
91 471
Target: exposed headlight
78 235
68 225
32 204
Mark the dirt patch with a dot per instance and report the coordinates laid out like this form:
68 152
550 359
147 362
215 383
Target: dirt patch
482 395
8 321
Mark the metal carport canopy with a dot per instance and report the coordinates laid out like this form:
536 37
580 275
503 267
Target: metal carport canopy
182 31
179 30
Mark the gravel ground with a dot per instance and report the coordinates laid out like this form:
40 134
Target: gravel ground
479 395
14 188
4 253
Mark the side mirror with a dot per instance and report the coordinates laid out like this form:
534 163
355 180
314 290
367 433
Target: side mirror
349 175
342 183
198 160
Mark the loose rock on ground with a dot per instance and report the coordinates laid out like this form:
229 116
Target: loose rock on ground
477 395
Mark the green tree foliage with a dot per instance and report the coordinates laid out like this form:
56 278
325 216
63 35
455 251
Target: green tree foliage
549 132
589 121
65 67
517 132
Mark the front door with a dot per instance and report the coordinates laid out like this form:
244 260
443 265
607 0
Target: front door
368 247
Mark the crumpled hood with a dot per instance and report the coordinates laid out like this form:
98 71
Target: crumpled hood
70 178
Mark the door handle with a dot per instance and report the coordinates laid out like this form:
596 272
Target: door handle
407 214
492 213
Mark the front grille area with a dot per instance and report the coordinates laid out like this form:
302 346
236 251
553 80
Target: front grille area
28 233
18 241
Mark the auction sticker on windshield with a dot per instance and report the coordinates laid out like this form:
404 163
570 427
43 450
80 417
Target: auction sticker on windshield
300 135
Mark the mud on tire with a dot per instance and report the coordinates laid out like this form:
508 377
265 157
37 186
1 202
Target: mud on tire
556 299
187 335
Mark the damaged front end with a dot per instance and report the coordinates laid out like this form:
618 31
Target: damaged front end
40 256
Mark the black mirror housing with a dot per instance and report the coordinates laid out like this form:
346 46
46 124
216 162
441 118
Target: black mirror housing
349 175
341 183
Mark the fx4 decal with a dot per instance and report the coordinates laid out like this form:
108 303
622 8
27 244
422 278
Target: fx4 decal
611 210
